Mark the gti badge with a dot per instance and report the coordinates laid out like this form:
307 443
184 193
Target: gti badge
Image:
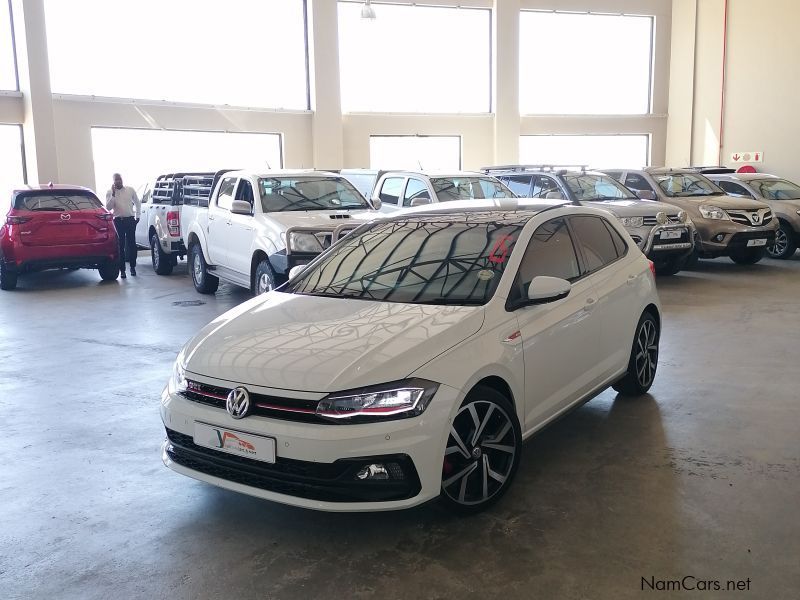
238 403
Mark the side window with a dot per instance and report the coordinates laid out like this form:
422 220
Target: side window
733 188
225 196
245 192
544 185
594 239
614 175
391 190
519 184
619 243
637 182
415 189
550 252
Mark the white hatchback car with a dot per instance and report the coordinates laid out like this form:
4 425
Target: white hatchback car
412 358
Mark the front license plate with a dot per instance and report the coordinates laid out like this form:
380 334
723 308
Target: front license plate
671 234
758 242
236 442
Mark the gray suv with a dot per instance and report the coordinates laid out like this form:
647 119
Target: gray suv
662 232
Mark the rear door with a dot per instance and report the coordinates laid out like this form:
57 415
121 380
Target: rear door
63 219
219 222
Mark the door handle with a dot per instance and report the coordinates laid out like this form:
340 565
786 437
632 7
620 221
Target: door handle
631 279
210 218
590 304
227 223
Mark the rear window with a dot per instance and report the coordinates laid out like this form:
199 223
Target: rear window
56 202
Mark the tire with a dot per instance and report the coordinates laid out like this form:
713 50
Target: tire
643 361
109 271
785 245
670 266
162 262
204 282
692 260
476 475
264 279
8 278
748 256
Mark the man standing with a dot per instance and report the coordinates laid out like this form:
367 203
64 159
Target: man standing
124 204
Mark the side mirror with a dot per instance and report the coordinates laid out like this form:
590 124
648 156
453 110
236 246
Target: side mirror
645 194
296 270
420 201
554 195
545 289
376 203
240 207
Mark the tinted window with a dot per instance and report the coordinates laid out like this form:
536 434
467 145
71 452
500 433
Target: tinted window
594 239
551 253
637 182
733 188
519 184
544 185
391 189
619 244
57 202
415 189
225 196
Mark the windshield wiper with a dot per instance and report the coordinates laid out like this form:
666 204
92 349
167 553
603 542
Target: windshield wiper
453 301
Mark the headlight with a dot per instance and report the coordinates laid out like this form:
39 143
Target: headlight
177 383
713 212
304 242
683 217
631 221
395 400
662 218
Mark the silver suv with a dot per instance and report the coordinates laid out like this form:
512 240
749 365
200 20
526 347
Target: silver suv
662 232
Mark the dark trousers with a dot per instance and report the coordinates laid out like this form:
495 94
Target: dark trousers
126 233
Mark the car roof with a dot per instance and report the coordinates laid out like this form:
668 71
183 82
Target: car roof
665 171
282 173
544 169
55 187
747 176
435 174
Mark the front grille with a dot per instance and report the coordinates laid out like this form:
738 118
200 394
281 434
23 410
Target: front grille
751 218
330 482
287 409
652 222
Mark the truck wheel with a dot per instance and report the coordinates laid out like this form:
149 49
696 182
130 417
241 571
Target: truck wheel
264 279
8 278
108 271
670 266
749 256
162 262
204 282
784 245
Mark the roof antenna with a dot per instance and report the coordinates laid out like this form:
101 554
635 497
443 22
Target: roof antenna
269 168
419 162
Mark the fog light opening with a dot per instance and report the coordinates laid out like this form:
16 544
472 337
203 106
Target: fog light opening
719 237
381 472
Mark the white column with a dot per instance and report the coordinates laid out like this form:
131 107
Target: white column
681 83
34 82
323 52
505 84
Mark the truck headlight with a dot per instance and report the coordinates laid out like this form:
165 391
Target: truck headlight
662 218
631 221
713 212
300 241
177 382
394 400
683 216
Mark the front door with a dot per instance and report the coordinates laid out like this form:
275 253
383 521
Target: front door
219 219
240 239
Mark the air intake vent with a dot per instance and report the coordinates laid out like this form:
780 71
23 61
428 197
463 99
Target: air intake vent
339 216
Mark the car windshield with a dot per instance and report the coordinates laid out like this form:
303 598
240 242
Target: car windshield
596 187
363 182
686 184
469 188
776 189
447 260
280 194
56 202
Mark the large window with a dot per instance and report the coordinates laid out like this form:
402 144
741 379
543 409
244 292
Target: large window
415 59
240 52
12 172
8 73
140 155
597 151
584 63
415 152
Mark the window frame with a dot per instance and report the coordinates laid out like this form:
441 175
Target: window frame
425 185
402 179
232 195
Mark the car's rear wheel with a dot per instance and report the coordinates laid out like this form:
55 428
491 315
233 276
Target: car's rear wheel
784 246
643 360
748 256
108 271
8 278
482 452
204 282
162 262
264 278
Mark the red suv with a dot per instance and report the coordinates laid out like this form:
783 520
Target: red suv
51 227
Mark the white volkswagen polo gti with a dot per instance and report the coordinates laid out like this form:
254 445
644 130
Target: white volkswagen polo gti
413 358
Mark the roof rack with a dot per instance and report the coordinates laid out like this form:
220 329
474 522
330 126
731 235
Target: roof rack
710 170
522 168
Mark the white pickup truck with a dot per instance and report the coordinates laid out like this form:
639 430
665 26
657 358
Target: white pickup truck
254 227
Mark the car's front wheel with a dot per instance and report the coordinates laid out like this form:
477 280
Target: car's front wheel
482 452
162 262
784 246
643 360
204 282
264 278
748 256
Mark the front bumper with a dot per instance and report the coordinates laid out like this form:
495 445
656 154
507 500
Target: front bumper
657 249
721 239
316 464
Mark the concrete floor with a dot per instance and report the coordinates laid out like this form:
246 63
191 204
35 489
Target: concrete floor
700 478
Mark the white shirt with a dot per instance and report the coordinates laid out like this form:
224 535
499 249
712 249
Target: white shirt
123 202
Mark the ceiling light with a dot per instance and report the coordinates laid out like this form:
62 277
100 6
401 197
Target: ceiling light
367 12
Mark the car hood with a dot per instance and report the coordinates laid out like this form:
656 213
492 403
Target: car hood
634 208
322 219
316 344
725 202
